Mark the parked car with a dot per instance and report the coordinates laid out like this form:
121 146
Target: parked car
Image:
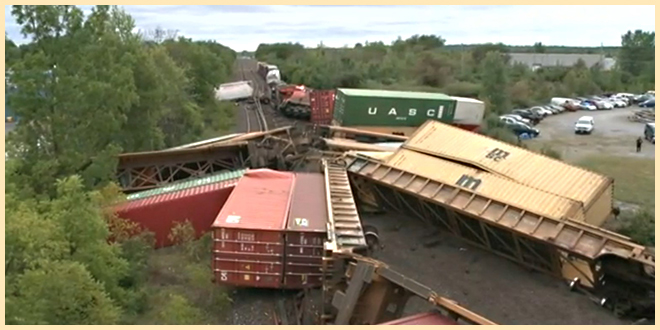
520 128
600 103
573 106
543 112
650 103
519 118
540 111
588 105
561 101
584 125
557 107
649 132
641 98
618 103
529 114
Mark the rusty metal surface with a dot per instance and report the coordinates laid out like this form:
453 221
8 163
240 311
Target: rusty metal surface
510 161
147 170
485 184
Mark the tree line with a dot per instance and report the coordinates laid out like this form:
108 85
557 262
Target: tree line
85 88
425 63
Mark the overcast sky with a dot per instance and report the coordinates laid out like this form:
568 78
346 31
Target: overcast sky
244 27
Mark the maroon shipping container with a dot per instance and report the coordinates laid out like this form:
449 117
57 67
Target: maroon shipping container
160 212
428 318
248 233
322 106
306 232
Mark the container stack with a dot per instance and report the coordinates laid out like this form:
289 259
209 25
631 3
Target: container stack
271 231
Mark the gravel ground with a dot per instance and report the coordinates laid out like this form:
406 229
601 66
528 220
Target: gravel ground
613 134
492 286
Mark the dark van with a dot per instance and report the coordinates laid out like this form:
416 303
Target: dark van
649 132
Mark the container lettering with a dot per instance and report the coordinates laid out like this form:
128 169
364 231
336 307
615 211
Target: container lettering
412 112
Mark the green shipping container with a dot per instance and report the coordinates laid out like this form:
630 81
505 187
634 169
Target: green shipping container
365 107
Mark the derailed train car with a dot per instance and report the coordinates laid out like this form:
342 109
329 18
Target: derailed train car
383 111
278 244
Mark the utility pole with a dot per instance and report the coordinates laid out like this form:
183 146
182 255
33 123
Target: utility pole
462 57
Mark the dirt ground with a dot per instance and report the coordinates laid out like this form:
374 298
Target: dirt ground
492 286
613 134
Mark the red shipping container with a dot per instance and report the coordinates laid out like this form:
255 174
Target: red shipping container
197 201
306 232
428 318
248 233
322 104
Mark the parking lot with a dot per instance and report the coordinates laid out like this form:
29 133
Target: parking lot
613 135
609 150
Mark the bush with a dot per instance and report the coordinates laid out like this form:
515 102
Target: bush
639 226
550 152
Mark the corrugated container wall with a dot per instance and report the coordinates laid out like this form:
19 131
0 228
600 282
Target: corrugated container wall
322 105
361 107
248 233
198 201
517 164
489 185
306 232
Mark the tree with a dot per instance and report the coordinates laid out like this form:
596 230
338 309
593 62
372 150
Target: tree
62 292
539 48
81 70
495 81
637 53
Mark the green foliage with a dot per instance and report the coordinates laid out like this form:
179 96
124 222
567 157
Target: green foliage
494 76
640 226
61 292
87 88
550 152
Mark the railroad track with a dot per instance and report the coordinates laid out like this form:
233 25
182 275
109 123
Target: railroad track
272 117
255 120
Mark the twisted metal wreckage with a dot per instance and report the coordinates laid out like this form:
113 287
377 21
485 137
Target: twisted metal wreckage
609 268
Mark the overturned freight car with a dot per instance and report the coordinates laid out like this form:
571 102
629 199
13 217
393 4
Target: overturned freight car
593 191
197 201
234 91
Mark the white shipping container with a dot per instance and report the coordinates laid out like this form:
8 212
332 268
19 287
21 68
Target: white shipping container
468 111
234 91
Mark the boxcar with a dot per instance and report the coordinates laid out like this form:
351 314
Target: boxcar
198 201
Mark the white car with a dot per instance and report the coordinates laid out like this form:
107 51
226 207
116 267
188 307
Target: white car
602 103
514 119
542 110
584 125
619 103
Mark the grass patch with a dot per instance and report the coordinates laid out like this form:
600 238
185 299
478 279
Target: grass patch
634 178
178 289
